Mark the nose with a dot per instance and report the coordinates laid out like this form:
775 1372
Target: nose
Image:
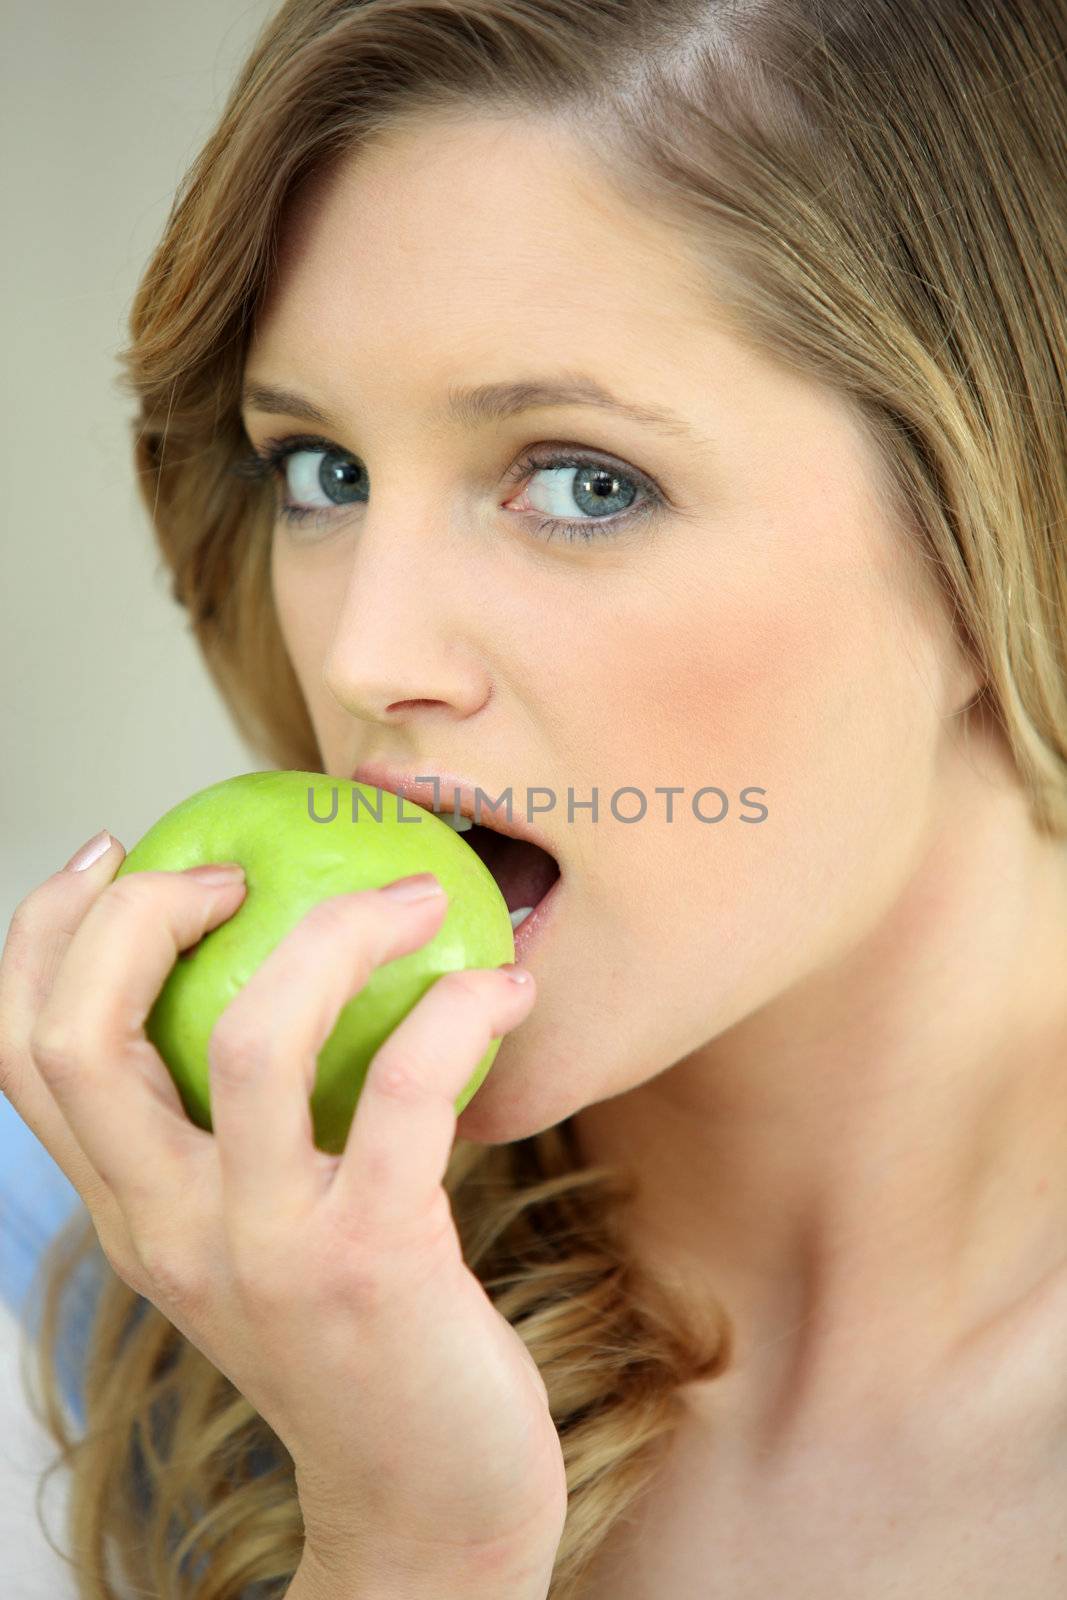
401 641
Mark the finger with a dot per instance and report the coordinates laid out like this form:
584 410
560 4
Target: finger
88 1041
37 939
264 1049
404 1126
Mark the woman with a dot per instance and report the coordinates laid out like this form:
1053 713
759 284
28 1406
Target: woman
770 1178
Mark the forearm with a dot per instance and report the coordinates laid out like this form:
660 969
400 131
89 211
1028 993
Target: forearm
315 1581
308 1586
303 1587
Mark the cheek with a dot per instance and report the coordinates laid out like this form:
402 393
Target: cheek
814 687
307 609
291 600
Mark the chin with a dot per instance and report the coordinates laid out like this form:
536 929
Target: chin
490 1120
506 1108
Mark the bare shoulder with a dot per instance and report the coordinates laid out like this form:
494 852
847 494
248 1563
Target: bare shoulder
967 1495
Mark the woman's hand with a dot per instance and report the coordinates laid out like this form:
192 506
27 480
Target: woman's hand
330 1290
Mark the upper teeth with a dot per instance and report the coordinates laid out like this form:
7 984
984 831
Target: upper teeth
460 824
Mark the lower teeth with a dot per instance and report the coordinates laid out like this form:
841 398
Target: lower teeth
519 916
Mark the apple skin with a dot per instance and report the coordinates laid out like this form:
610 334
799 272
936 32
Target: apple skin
292 861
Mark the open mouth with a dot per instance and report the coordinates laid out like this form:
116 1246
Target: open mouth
524 872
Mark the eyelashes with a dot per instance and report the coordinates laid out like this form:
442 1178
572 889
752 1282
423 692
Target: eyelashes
595 476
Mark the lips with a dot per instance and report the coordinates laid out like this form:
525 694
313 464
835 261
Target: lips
517 854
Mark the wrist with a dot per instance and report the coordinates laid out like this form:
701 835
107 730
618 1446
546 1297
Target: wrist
317 1579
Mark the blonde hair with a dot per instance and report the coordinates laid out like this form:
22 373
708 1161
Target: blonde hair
874 190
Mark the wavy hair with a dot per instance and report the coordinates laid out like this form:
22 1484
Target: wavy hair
874 190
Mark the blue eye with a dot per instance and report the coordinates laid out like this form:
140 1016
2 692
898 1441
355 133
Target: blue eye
307 466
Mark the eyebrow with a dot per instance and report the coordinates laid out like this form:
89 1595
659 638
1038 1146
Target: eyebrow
489 402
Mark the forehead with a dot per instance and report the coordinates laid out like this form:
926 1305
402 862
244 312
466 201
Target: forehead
460 234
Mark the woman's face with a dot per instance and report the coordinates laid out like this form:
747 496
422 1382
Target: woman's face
761 628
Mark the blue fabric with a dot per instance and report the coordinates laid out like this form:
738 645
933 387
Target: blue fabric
36 1199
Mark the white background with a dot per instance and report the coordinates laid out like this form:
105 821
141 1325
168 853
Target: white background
107 716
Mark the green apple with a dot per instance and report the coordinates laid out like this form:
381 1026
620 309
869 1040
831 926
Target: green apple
302 837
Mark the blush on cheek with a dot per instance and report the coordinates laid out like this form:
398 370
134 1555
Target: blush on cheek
708 703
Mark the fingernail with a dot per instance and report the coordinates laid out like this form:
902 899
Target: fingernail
231 872
420 886
516 973
90 852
